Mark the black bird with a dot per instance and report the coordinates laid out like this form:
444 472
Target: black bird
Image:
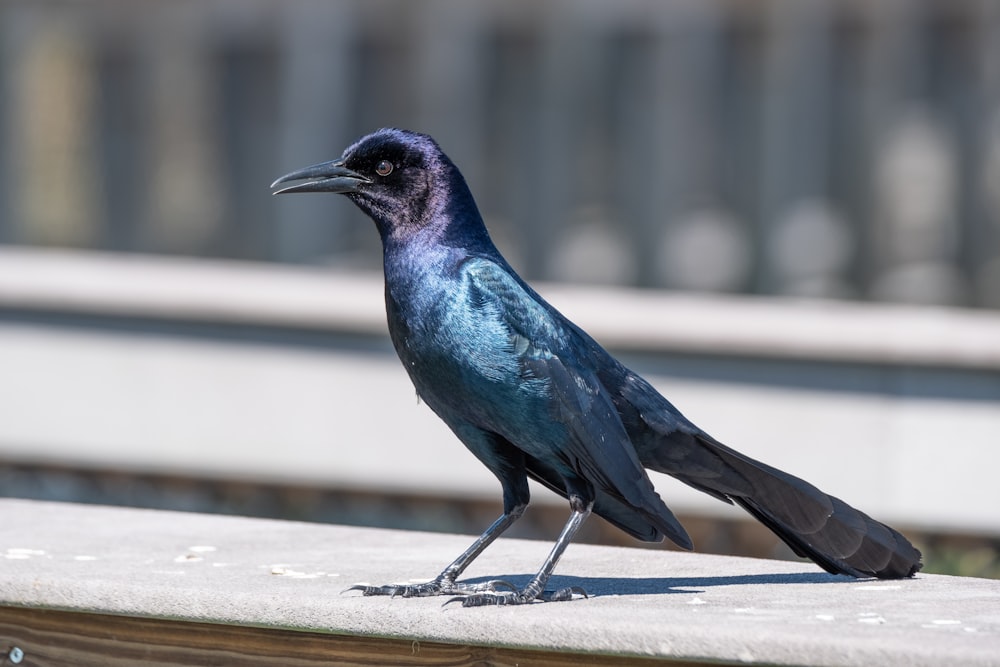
531 395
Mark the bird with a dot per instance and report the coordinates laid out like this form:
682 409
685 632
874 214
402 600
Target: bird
532 396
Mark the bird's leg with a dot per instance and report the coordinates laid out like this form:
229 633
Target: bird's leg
535 590
444 583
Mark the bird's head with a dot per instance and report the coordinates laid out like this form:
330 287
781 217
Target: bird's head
401 179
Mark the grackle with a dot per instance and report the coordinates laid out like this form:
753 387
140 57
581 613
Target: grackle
531 395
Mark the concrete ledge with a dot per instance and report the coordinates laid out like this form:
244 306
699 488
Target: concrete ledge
677 607
239 371
244 293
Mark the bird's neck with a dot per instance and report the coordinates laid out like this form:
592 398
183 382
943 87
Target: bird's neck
421 259
421 269
433 255
450 230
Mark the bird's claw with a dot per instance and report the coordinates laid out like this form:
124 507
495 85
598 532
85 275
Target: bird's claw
491 598
563 594
491 586
402 590
431 588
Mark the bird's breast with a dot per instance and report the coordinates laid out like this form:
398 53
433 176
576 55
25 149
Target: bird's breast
460 356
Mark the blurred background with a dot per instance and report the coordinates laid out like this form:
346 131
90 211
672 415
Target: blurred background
799 174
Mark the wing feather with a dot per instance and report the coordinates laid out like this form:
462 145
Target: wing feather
550 349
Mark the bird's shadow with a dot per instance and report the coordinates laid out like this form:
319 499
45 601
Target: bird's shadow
596 586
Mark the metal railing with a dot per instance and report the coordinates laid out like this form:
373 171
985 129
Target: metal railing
842 149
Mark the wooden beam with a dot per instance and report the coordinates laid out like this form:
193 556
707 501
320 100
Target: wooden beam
52 638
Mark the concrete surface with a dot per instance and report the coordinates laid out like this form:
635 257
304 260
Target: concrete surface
153 286
643 602
232 370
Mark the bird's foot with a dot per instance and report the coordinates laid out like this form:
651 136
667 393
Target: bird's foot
488 598
430 588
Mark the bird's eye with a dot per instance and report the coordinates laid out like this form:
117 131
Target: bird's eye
383 168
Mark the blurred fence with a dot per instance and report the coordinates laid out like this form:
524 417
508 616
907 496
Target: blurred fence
847 149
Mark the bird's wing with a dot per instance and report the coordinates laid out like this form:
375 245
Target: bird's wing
551 349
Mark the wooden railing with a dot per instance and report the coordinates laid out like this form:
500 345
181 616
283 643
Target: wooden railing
95 586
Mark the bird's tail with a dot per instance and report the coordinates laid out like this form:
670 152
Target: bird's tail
825 529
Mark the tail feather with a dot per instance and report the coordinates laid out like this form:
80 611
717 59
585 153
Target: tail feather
873 551
825 529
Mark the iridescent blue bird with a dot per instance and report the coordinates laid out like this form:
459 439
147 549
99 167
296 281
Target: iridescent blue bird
533 396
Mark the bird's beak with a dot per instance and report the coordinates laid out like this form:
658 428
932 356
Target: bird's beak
330 176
